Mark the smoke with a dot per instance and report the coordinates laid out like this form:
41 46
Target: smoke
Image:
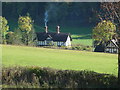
51 12
46 17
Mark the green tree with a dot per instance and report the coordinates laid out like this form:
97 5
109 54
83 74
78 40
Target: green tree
10 37
104 31
4 28
14 38
25 24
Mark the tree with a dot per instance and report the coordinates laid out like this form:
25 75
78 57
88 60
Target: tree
3 29
10 37
112 12
25 24
14 38
104 31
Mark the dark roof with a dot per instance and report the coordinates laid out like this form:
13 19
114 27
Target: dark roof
54 36
99 48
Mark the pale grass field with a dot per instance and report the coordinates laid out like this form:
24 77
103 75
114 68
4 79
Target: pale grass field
59 59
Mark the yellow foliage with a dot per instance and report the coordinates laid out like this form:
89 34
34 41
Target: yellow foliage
25 23
104 31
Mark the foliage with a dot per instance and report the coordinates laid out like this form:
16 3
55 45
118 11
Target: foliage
10 37
32 38
14 38
59 12
36 77
104 31
24 34
111 11
25 24
3 28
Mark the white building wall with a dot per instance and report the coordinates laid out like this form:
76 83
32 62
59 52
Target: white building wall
111 48
68 42
41 43
45 43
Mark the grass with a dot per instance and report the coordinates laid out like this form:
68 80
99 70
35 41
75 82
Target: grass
59 59
86 42
82 39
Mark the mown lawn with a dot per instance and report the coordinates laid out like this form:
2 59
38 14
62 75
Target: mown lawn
85 40
59 59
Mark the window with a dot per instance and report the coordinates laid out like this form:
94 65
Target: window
49 41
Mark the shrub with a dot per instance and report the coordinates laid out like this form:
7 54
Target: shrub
14 38
52 78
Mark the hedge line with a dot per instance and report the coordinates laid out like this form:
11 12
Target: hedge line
36 77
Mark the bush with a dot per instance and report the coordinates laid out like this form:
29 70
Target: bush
14 38
50 78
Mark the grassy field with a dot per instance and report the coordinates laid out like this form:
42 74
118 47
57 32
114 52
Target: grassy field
82 39
59 59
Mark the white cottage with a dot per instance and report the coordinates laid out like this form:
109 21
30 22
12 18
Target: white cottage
112 46
53 38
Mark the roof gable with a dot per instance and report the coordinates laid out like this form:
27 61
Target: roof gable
113 42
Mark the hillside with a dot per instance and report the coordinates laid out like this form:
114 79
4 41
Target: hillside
59 59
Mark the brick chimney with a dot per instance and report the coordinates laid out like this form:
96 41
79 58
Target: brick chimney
58 29
46 29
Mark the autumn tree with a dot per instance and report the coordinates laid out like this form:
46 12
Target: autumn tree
103 32
25 24
111 11
4 28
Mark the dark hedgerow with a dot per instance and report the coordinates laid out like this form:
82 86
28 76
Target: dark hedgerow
36 77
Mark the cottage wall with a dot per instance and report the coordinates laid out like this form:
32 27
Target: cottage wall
60 39
68 42
111 48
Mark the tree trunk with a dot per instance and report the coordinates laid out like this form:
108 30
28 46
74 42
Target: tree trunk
119 56
119 61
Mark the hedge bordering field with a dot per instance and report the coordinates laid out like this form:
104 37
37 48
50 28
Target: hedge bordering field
36 77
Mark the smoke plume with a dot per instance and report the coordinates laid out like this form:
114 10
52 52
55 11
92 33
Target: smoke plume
46 17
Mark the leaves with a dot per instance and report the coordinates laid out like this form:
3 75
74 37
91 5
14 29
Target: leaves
104 31
4 28
52 78
3 24
25 23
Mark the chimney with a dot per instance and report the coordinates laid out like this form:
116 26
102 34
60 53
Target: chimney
58 29
46 29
